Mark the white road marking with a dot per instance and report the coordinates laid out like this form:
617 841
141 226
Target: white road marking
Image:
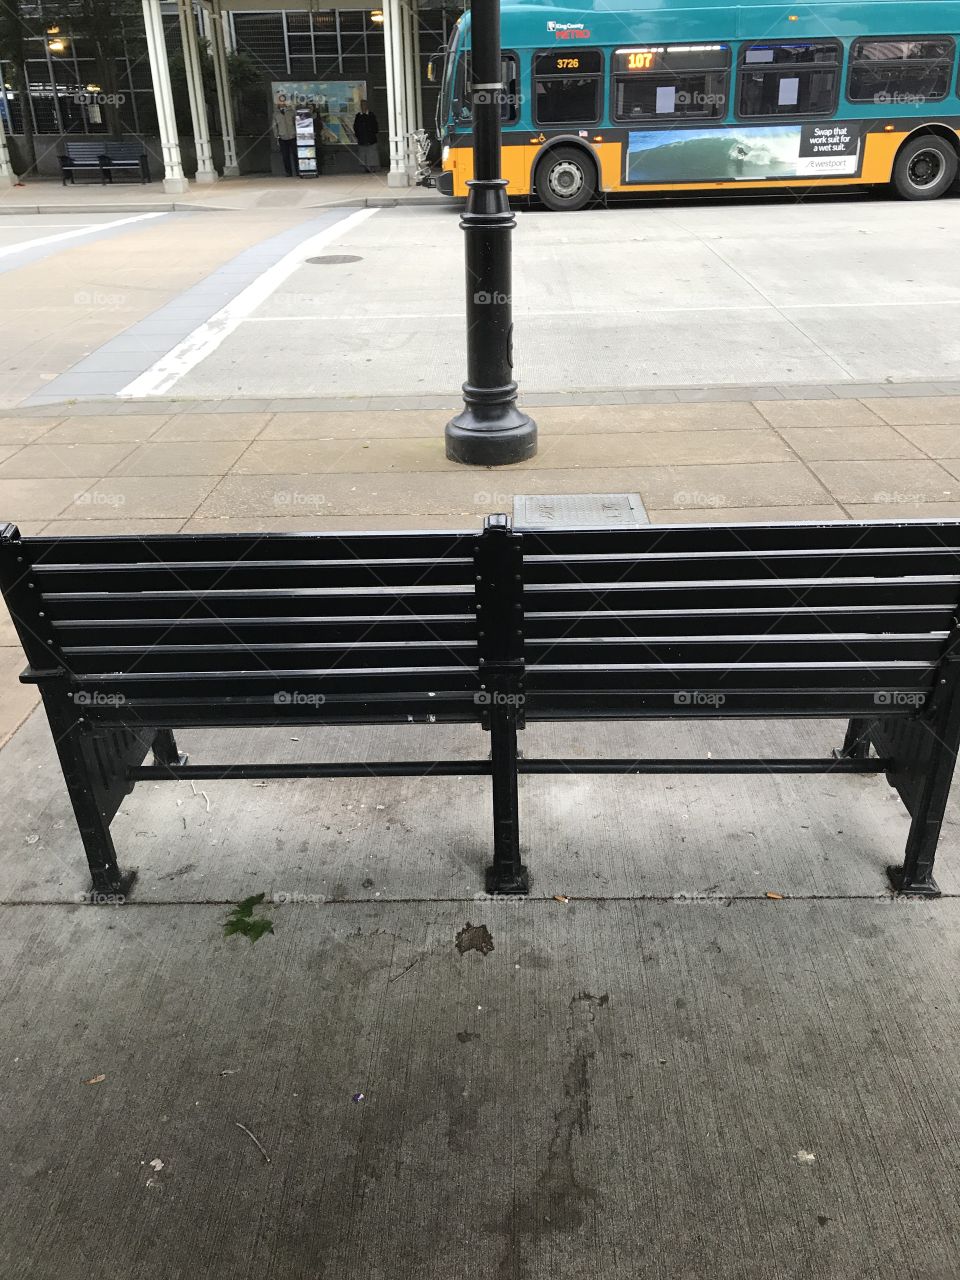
30 226
71 235
204 340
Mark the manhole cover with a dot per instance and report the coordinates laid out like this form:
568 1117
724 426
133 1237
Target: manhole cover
335 259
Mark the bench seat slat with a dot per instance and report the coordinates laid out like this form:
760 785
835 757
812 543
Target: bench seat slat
584 597
325 594
335 604
593 627
252 632
829 620
695 539
747 704
304 569
178 548
743 567
745 555
191 579
216 659
784 651
633 677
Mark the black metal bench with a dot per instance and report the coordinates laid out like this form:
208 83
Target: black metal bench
104 158
130 638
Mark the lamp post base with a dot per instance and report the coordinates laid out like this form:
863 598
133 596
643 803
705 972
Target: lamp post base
491 436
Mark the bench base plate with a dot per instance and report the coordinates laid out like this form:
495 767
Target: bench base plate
113 892
516 884
928 889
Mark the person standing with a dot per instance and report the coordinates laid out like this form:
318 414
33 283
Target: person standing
366 130
285 132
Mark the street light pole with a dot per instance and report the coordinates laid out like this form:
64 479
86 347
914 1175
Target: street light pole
491 430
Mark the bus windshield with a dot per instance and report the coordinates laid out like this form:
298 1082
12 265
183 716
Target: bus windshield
446 90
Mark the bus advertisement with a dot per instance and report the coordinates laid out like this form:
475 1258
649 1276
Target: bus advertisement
673 97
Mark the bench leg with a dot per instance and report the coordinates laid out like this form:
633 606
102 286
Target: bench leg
923 775
507 875
165 749
916 875
856 745
92 806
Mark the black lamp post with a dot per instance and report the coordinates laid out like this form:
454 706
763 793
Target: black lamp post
491 430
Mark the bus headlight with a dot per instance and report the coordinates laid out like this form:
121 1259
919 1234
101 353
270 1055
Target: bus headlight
445 155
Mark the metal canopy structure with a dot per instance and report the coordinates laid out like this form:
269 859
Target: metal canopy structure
401 47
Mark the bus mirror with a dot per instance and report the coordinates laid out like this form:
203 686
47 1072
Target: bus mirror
432 70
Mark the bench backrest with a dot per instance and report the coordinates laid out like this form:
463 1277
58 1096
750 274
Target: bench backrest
253 628
132 151
683 620
820 619
87 152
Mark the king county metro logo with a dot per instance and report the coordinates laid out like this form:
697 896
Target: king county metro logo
569 30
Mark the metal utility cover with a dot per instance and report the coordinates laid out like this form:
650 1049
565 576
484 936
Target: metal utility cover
579 511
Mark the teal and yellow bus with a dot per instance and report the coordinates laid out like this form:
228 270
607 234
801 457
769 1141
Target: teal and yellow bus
618 96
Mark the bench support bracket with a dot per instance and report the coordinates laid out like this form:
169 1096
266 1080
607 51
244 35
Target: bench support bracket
507 874
923 752
499 595
165 749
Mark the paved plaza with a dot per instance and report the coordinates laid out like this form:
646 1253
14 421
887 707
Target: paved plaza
711 1043
359 300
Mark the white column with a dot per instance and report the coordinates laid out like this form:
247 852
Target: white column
228 132
409 87
7 177
206 173
417 67
173 179
396 106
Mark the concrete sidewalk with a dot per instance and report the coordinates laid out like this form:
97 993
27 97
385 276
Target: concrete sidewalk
232 194
665 1073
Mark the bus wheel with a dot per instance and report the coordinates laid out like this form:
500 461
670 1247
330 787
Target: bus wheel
565 179
925 168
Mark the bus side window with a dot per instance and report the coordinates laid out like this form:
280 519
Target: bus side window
567 86
655 84
462 91
893 72
510 75
796 78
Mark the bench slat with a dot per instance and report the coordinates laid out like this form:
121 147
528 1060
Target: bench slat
786 651
810 592
744 567
179 548
828 620
193 579
169 631
696 539
263 606
217 659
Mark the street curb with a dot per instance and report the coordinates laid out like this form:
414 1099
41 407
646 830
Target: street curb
175 206
661 398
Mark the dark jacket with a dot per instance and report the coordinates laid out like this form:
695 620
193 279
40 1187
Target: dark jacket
365 129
